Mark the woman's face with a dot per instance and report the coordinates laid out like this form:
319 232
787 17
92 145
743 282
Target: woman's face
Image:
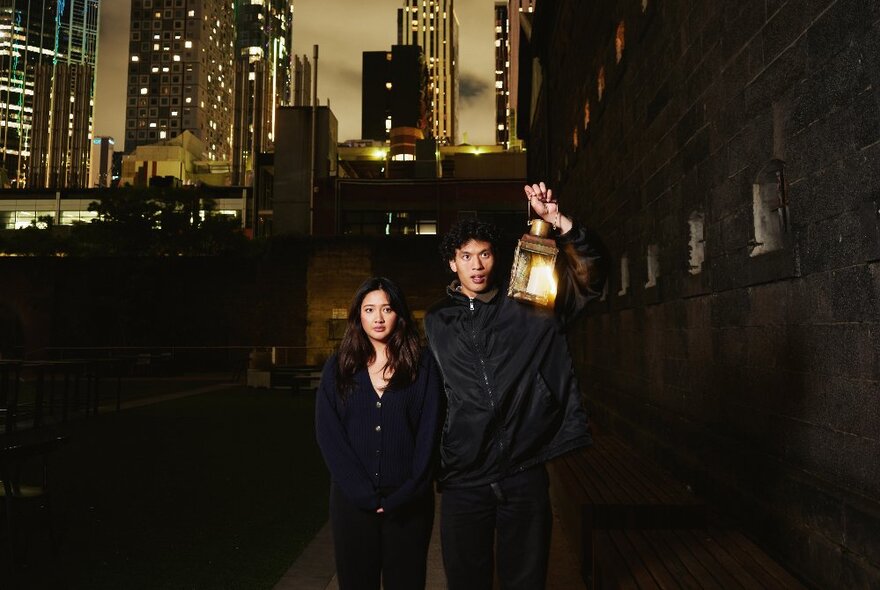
377 318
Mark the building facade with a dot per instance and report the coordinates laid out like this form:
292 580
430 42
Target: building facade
433 26
728 156
181 73
262 79
394 92
301 91
508 30
48 52
101 162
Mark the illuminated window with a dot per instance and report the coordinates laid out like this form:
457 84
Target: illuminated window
696 243
769 208
619 42
653 266
188 44
135 58
143 91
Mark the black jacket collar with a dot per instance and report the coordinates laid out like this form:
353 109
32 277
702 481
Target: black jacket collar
454 291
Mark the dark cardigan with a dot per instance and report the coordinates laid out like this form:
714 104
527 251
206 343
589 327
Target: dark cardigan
380 451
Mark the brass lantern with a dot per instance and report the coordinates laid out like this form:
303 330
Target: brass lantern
532 278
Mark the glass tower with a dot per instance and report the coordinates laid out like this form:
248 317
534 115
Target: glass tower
262 78
48 51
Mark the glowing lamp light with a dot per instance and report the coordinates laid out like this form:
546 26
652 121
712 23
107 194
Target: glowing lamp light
532 279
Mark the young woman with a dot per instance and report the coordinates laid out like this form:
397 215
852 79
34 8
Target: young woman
377 424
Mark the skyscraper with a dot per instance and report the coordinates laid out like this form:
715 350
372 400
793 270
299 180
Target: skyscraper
393 92
48 50
181 73
507 42
262 78
433 26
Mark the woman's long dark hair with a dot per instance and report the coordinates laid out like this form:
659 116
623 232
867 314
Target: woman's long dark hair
356 351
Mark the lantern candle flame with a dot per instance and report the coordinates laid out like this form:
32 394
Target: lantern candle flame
541 281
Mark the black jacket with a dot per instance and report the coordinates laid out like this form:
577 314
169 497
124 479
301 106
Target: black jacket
512 397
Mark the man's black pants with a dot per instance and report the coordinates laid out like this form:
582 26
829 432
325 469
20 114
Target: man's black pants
515 513
391 547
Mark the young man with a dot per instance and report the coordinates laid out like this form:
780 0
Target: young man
512 400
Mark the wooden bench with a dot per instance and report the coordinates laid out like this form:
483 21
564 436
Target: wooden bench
608 486
665 559
301 379
632 525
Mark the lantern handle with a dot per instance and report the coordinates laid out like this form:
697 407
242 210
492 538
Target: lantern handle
529 214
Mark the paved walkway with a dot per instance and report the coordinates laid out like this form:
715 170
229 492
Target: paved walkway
315 570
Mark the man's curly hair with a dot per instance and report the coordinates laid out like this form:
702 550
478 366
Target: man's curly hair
466 230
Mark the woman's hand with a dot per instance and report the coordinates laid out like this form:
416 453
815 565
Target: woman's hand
545 206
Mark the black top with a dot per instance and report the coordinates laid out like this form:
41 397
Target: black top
379 450
512 397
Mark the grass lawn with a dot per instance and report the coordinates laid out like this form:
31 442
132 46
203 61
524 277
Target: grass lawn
218 490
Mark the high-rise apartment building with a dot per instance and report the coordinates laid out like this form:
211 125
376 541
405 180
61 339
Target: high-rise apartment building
181 73
393 92
262 78
48 51
507 41
433 26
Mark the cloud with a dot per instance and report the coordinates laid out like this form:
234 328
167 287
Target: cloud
472 87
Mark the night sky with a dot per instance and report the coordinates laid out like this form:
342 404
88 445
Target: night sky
343 29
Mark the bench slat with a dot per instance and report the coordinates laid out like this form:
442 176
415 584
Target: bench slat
758 563
714 559
632 558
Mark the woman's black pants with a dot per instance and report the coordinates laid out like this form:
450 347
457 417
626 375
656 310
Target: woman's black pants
387 549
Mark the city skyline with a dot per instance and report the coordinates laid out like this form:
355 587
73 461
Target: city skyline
357 27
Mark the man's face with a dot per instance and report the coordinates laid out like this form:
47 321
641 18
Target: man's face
473 264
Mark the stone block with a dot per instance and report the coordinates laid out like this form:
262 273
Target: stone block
736 230
846 294
845 23
830 86
861 523
833 243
